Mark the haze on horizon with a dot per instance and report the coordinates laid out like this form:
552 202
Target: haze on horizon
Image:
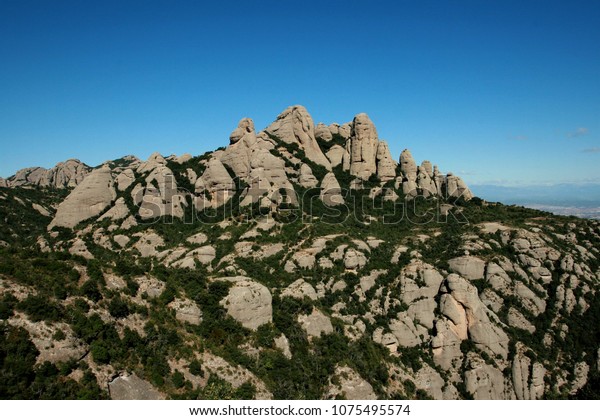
504 94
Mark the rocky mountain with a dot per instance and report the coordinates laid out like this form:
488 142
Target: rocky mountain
66 174
299 262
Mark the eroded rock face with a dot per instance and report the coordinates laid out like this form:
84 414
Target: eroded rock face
484 332
471 268
248 302
386 167
132 387
363 144
528 381
215 185
243 141
484 381
295 125
87 200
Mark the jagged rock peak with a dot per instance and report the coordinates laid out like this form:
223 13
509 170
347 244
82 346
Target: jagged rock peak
64 175
408 167
363 144
295 125
386 166
155 160
244 128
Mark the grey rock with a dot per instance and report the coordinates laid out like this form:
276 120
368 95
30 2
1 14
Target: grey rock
315 324
471 268
386 167
323 132
132 387
295 125
248 302
331 192
89 199
363 147
348 384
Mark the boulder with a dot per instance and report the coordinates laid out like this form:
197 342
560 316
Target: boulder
354 260
248 302
306 178
186 311
154 161
331 192
197 239
132 387
148 242
283 344
419 285
121 240
299 290
322 132
336 155
315 324
346 383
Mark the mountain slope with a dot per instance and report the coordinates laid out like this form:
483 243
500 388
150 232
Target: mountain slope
300 262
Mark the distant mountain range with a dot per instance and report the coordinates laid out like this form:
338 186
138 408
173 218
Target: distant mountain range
582 200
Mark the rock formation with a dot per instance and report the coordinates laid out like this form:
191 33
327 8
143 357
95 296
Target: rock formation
295 126
88 199
66 174
248 302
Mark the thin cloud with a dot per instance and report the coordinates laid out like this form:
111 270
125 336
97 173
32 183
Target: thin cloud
592 150
580 132
519 138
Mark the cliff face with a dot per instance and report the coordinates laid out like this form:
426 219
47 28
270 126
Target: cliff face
301 261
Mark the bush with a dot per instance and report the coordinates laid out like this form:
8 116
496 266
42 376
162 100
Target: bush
90 290
39 308
178 379
118 308
196 368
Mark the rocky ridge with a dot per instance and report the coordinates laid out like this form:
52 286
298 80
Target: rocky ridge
128 296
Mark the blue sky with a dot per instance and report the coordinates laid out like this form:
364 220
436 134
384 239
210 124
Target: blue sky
500 92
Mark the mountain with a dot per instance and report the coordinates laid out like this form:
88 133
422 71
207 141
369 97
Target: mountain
299 262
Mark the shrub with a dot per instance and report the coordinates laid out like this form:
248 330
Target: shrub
118 308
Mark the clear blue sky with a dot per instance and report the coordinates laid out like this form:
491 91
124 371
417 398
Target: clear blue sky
504 92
